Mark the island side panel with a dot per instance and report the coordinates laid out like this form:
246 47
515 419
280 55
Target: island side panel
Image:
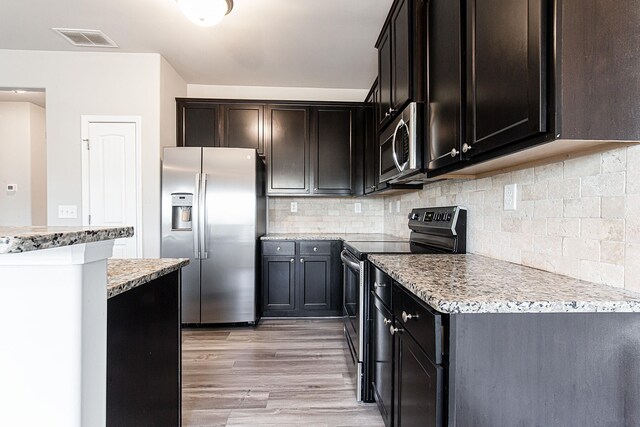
144 354
560 369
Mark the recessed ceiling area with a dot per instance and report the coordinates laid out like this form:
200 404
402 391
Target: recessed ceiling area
36 97
290 43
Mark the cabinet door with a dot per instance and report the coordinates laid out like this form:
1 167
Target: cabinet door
506 72
243 126
314 282
384 76
445 83
370 150
401 39
278 283
332 142
418 391
287 150
382 356
198 125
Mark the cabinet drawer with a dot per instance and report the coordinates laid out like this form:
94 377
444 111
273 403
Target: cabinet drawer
315 248
424 324
279 248
381 285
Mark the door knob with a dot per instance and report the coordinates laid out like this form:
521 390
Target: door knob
377 285
291 260
466 147
387 322
454 152
393 330
302 260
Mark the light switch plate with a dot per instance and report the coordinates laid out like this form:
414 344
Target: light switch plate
510 196
358 207
294 207
67 211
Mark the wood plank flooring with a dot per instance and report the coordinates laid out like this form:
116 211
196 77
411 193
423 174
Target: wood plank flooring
280 373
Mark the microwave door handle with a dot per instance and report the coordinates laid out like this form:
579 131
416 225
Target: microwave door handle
203 215
393 146
195 218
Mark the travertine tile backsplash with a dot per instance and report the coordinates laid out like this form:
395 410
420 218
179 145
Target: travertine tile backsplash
580 218
326 215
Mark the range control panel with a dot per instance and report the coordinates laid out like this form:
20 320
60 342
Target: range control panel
438 217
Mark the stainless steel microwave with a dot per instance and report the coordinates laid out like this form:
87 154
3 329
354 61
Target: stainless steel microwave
401 146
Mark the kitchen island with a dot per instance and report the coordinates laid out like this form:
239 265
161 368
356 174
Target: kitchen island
479 341
53 312
143 341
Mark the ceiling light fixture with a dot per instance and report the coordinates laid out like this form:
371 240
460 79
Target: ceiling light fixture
205 13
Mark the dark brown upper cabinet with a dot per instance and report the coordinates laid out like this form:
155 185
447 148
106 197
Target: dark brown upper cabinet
197 124
332 142
287 149
243 126
445 83
399 58
506 72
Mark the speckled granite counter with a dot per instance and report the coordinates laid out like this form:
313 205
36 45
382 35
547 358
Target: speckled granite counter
476 284
24 239
126 274
353 237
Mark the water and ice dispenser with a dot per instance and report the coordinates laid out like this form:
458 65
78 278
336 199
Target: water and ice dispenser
181 211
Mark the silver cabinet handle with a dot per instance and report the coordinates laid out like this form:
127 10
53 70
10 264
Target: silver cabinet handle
393 330
406 317
315 249
291 260
386 321
454 152
302 260
387 115
466 147
377 285
392 110
278 249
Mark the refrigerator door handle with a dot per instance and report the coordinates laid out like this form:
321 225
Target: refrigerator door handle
196 220
203 215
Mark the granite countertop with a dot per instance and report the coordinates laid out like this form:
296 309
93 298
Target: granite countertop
126 274
477 284
24 239
345 237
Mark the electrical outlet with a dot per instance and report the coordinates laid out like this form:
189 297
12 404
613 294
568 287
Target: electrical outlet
398 206
510 196
358 207
294 207
12 188
67 211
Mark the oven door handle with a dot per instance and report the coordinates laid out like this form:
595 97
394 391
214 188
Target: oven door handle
349 260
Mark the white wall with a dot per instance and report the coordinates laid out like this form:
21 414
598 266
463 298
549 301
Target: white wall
15 153
90 83
38 165
276 93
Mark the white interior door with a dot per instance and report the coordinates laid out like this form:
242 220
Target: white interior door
112 189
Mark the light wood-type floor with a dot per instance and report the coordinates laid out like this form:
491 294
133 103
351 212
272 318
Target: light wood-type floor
281 373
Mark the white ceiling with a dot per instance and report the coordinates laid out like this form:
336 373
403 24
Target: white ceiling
34 97
294 43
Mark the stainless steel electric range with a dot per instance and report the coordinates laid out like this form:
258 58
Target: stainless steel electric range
433 230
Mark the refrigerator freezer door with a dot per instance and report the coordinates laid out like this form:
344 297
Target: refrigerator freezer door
228 287
181 170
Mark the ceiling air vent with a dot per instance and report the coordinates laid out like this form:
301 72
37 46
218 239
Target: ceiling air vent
85 38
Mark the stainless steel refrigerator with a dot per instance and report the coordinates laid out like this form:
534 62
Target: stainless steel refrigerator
214 212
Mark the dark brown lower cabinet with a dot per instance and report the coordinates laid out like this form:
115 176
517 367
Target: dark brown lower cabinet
382 355
143 355
302 280
279 280
418 399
